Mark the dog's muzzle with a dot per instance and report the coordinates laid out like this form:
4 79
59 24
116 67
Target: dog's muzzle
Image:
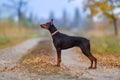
41 26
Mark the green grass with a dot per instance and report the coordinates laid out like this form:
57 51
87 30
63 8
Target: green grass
107 50
4 40
10 41
106 45
13 33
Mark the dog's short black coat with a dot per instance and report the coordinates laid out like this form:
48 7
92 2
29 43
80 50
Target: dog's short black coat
62 41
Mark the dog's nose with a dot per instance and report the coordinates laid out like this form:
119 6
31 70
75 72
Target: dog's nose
40 25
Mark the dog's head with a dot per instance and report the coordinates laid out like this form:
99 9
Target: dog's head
47 25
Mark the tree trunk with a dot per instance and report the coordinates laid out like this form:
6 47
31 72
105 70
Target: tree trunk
19 18
115 27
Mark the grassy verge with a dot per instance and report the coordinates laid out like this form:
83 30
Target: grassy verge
9 41
107 50
10 34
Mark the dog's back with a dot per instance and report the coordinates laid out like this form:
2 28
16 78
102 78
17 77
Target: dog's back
65 41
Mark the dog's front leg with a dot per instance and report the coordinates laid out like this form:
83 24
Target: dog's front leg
58 57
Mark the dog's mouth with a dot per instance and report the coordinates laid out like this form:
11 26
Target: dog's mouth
44 26
41 26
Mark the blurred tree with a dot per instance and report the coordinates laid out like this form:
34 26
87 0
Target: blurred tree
51 15
31 17
10 19
64 19
0 14
0 11
18 6
76 20
87 23
106 8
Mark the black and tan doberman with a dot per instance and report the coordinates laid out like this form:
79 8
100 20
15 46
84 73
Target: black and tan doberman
62 41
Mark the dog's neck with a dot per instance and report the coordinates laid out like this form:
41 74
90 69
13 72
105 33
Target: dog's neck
53 30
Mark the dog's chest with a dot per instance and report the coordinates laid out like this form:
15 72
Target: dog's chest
63 43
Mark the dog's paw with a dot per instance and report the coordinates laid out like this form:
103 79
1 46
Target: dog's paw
94 68
57 65
90 67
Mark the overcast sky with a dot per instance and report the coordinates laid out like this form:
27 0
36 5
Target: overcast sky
42 8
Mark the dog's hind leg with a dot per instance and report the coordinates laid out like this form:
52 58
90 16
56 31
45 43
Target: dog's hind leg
94 59
86 51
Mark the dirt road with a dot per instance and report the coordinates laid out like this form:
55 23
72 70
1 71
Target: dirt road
78 64
75 62
9 60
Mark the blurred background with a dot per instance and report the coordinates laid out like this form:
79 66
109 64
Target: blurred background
98 20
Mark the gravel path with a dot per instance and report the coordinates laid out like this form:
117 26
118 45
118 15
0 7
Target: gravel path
72 61
9 57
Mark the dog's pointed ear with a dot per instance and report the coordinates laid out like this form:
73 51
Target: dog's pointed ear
51 21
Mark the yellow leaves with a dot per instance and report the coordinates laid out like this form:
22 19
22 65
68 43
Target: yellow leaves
27 61
105 7
110 8
43 63
99 6
109 15
94 12
36 60
108 60
41 59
